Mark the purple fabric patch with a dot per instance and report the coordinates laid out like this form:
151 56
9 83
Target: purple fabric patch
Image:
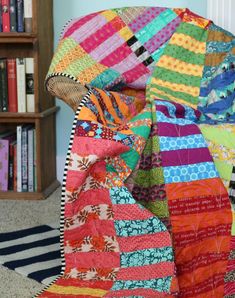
175 130
185 157
162 36
145 18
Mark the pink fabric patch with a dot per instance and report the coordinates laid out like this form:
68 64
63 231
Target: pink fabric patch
137 292
90 197
130 212
117 56
78 23
161 270
93 41
101 148
133 243
135 73
91 228
93 260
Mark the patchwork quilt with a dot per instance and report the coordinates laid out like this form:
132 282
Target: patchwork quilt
149 185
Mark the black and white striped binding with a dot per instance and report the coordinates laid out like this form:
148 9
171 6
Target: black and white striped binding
63 193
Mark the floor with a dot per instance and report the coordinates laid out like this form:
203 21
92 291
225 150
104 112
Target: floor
22 214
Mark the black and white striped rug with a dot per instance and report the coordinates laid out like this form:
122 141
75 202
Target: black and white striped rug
33 252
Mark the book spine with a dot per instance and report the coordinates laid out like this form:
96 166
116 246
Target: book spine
28 15
24 159
11 167
3 85
35 161
15 168
6 16
12 85
4 161
20 16
0 15
13 20
30 160
21 85
30 98
19 163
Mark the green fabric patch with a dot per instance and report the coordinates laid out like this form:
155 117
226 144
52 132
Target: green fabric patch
219 136
158 208
176 77
194 31
142 131
131 158
181 95
149 178
224 169
185 55
152 145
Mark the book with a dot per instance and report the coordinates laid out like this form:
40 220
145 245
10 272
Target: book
29 69
28 15
31 160
19 158
6 16
11 166
24 156
13 19
35 161
20 15
5 139
4 164
0 15
12 85
15 167
3 86
21 85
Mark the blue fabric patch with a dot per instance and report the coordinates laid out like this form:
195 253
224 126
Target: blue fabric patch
190 173
177 143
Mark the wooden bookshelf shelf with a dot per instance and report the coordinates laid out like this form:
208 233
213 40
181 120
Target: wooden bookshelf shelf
19 117
13 37
38 45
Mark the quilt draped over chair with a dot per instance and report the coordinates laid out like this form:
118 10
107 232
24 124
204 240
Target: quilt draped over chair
144 210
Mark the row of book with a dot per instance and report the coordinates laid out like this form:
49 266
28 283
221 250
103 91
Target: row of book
16 16
17 85
18 160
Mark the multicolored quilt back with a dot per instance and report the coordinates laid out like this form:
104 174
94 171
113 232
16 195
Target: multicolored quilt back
144 210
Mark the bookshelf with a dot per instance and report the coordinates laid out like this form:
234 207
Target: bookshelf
37 45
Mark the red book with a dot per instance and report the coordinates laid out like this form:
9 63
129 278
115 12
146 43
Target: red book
6 16
12 85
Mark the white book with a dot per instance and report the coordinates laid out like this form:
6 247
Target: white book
28 15
30 160
19 158
30 98
21 85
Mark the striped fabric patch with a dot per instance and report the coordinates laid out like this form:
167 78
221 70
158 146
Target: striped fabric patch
32 252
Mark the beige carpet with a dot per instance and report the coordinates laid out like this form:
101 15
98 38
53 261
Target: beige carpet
18 215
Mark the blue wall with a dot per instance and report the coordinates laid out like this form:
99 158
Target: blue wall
65 10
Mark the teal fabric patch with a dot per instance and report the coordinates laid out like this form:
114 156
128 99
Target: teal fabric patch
107 77
131 158
159 284
126 228
121 195
156 25
146 257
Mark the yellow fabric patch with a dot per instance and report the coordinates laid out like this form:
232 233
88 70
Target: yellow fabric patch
90 73
188 43
109 15
166 95
77 291
180 66
194 91
125 33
